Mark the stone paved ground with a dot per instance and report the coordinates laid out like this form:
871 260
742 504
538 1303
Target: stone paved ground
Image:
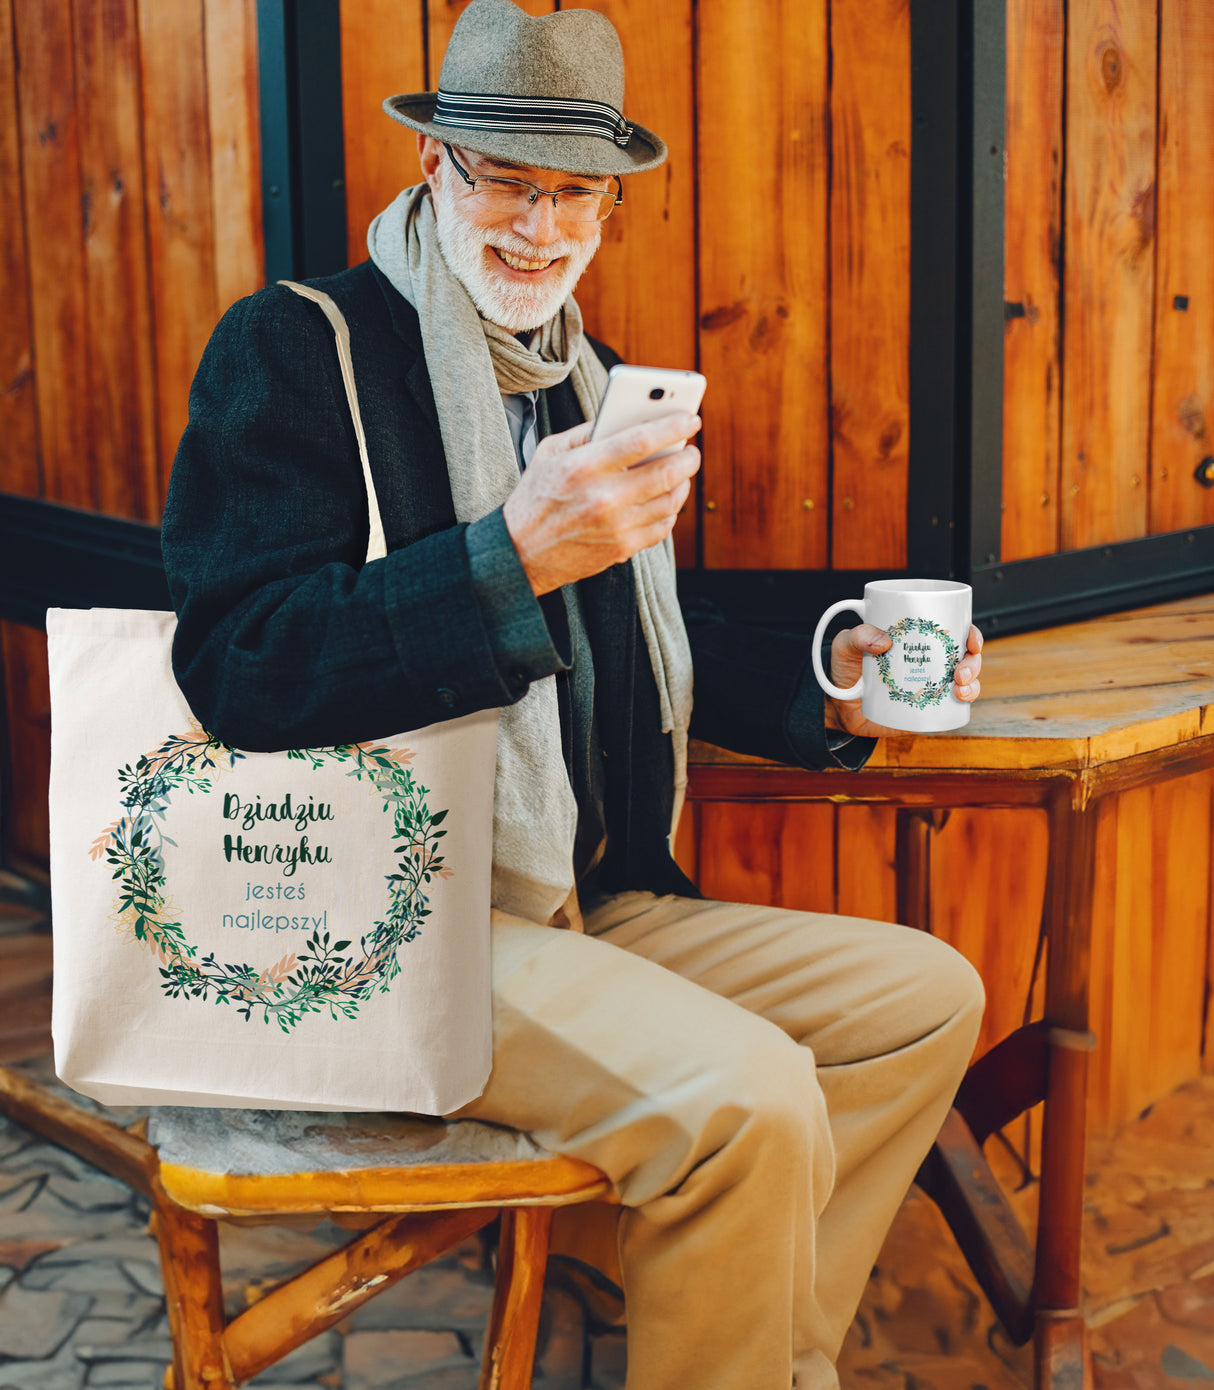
81 1300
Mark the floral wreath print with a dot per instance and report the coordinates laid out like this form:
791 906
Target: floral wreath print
934 692
325 975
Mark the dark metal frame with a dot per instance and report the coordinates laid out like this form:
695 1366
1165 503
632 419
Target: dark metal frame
57 557
302 147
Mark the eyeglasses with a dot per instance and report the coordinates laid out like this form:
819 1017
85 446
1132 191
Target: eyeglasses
509 196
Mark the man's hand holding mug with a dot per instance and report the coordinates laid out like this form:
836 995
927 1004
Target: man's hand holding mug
911 666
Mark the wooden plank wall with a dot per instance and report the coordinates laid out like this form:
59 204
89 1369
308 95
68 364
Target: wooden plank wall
1109 358
130 216
795 314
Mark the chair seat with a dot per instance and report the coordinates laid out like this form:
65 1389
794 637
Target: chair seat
222 1162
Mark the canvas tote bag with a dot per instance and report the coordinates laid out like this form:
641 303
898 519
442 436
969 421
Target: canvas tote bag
304 930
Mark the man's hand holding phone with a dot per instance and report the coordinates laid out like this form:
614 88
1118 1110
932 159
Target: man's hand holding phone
583 505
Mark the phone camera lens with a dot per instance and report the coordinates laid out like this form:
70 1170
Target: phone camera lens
656 394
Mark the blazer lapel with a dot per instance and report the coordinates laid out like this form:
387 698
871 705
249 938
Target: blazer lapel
406 326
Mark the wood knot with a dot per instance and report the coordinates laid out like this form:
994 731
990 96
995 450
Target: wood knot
1192 417
890 436
1111 68
724 316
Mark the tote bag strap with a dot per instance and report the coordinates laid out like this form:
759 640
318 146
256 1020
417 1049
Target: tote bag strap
377 547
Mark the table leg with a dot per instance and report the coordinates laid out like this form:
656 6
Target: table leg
1061 1343
913 860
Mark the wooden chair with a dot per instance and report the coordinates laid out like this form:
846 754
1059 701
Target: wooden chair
431 1183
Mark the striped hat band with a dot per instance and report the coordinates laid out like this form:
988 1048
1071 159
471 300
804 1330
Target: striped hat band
532 115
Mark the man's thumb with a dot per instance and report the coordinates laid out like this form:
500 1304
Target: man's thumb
579 434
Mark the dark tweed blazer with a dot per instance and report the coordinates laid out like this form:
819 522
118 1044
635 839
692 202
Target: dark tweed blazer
285 638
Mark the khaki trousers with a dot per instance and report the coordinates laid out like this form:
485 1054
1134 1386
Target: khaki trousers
760 1086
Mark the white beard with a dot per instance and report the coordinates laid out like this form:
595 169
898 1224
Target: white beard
510 304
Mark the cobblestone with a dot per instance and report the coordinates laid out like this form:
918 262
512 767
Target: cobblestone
64 1371
35 1323
375 1359
314 1359
124 1375
81 1301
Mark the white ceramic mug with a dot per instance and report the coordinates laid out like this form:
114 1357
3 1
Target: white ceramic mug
911 685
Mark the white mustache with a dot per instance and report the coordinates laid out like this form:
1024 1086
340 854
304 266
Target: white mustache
523 249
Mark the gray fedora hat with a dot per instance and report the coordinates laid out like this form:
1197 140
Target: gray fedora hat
545 91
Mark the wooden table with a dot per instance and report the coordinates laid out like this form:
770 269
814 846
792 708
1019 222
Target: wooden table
1068 716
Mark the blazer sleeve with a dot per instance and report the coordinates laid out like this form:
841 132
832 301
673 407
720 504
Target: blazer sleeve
755 692
285 637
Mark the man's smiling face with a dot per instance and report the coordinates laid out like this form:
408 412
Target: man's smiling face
518 267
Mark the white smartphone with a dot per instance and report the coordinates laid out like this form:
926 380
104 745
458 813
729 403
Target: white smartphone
637 395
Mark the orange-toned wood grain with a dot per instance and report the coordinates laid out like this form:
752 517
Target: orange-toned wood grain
1182 418
869 281
687 841
179 205
118 401
988 872
639 294
768 853
865 846
553 1180
193 1294
383 53
28 696
1110 270
1207 1047
1150 945
235 131
53 198
1032 386
19 466
763 159
519 1292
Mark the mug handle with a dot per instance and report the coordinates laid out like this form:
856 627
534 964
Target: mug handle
853 605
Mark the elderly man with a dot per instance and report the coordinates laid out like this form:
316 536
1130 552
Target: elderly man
759 1085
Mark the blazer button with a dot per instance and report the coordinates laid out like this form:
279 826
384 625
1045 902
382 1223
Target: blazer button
447 697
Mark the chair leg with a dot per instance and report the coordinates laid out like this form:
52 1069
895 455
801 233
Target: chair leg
522 1256
1062 1360
193 1292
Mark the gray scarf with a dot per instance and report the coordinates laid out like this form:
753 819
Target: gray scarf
470 363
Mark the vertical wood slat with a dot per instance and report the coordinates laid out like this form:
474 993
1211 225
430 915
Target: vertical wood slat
233 114
639 294
1182 418
768 852
382 54
1032 387
118 398
1207 1042
865 866
869 281
1110 249
28 696
763 282
19 466
50 165
179 205
1151 945
988 871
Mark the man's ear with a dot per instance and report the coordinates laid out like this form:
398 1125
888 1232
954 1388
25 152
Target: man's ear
430 153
